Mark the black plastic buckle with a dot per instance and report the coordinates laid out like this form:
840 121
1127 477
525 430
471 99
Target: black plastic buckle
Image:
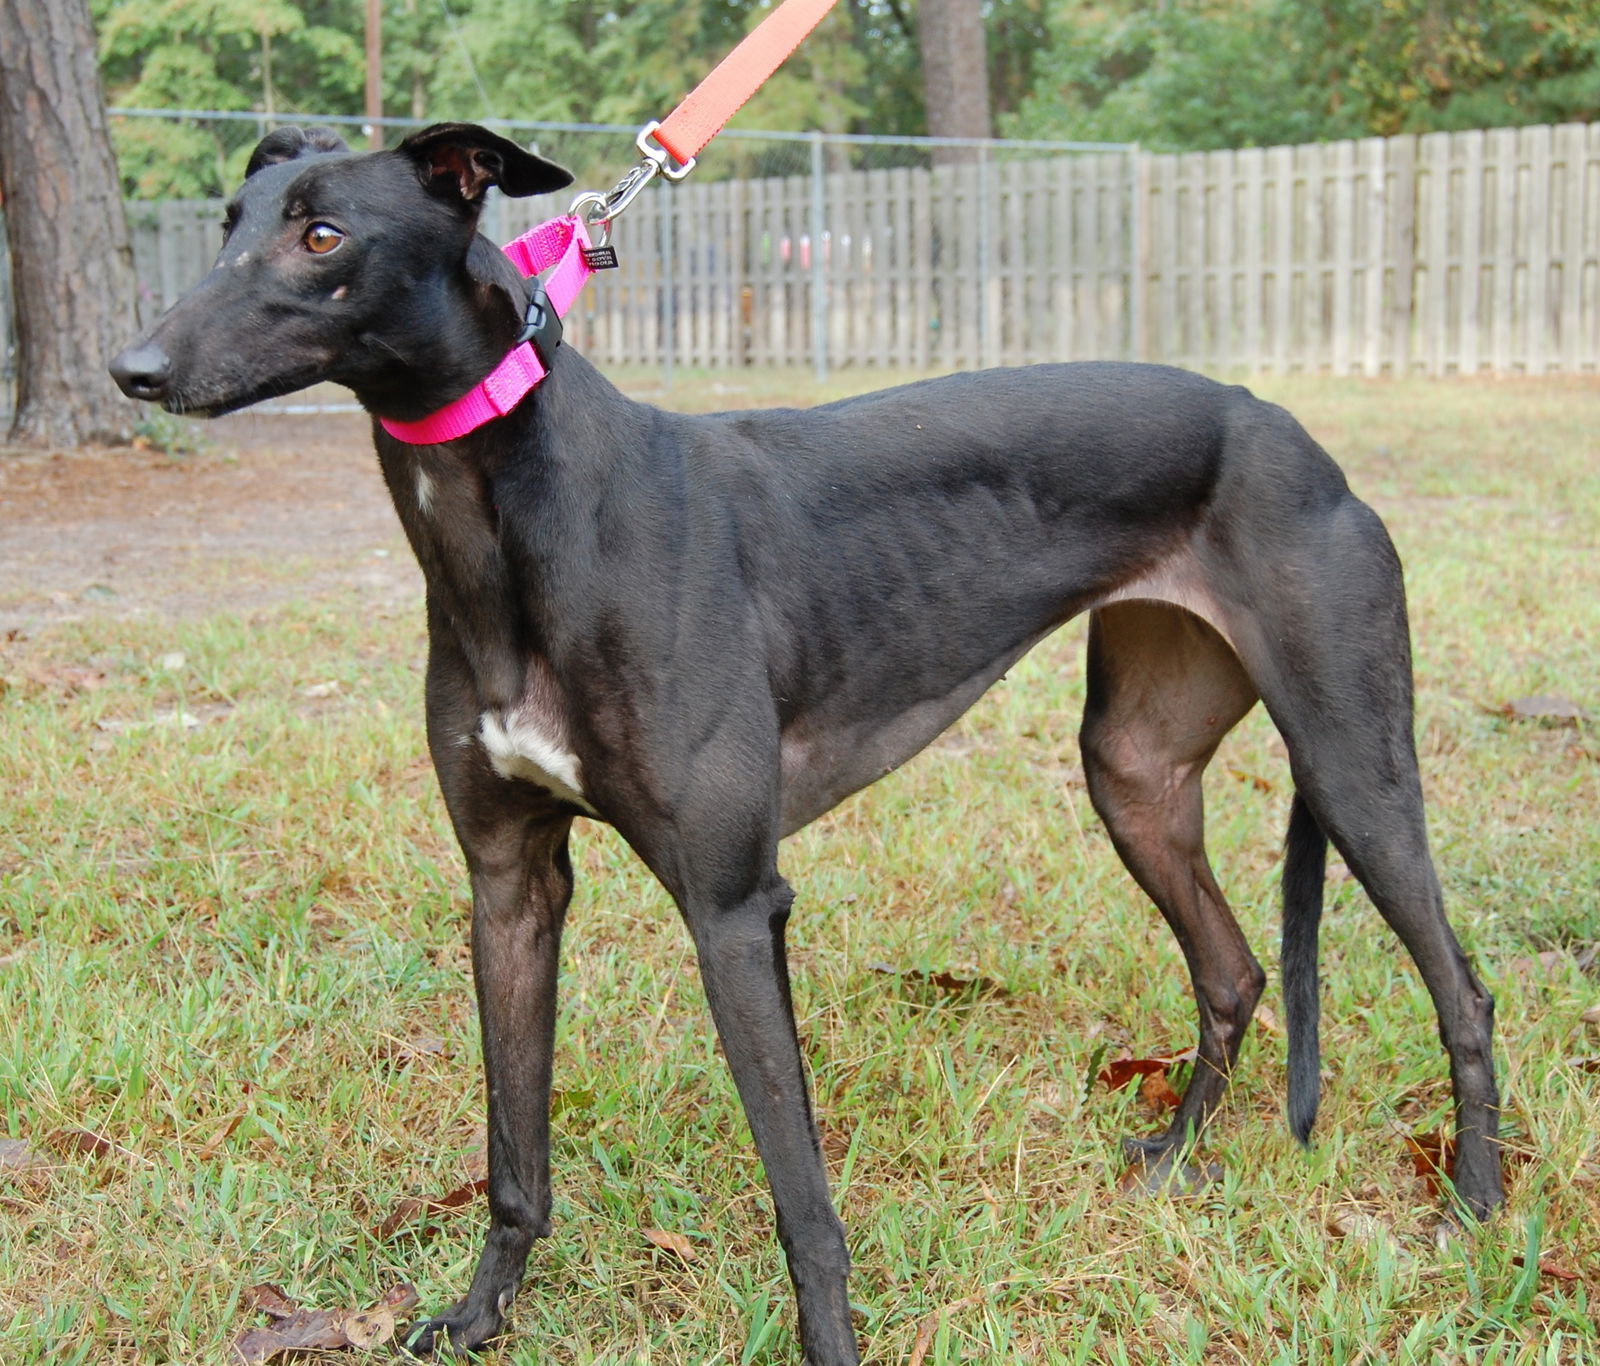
541 324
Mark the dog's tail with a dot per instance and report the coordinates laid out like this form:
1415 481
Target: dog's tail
1306 850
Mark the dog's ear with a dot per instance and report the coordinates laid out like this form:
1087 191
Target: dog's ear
464 159
291 142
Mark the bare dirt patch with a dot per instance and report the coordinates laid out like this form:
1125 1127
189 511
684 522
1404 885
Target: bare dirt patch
274 508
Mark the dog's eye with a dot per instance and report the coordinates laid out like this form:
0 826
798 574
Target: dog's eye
322 238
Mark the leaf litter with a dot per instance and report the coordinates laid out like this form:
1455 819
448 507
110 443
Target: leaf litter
296 1331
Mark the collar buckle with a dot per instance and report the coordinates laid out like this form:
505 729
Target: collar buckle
541 324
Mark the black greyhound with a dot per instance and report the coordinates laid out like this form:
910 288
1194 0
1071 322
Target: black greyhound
708 631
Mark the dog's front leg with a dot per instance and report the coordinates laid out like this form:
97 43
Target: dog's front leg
518 905
515 842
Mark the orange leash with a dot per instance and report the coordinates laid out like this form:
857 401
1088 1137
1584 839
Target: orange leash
669 148
699 118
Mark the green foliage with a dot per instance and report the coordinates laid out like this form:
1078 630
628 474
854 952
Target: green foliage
266 55
1172 74
577 61
1196 74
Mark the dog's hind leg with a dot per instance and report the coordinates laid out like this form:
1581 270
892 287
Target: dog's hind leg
1164 688
1330 653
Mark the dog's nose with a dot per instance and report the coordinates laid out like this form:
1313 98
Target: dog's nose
144 370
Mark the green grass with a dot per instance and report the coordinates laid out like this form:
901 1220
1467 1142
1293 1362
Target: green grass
238 951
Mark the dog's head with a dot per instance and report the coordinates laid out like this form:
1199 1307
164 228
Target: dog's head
366 270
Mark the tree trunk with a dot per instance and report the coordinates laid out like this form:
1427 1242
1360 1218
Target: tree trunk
71 258
955 74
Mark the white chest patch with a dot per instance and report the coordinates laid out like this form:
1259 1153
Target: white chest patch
424 491
519 747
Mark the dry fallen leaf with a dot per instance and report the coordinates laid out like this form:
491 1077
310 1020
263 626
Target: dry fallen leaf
1549 1267
947 982
1156 1092
1120 1072
85 1143
1563 711
268 1299
1542 966
1591 1015
20 1163
224 1131
317 1330
835 1142
1254 779
1360 1226
413 1211
675 1243
1433 1158
404 1052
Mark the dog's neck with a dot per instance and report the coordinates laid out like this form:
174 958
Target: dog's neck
565 449
473 314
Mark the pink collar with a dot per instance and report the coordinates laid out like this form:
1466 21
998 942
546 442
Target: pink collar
559 243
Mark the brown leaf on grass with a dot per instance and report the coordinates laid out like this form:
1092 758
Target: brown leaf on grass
1550 1267
1156 1092
1545 965
668 1241
224 1131
928 1329
1359 1226
1591 1015
20 1163
1588 1064
69 680
1433 1159
404 1052
268 1299
1121 1072
947 982
414 1212
87 1143
1561 711
835 1142
1254 779
319 1330
1266 1020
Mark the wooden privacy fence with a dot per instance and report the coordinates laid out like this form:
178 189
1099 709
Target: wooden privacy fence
1449 253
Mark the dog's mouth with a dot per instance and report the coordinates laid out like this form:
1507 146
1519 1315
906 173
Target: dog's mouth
196 401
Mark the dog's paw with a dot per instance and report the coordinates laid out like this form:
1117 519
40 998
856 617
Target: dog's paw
1157 1168
459 1330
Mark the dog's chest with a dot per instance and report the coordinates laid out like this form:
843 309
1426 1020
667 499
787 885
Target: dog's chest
528 741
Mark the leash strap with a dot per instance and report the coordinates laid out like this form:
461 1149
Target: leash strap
687 129
564 244
558 243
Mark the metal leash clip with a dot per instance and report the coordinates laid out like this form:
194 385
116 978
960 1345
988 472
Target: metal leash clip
597 211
